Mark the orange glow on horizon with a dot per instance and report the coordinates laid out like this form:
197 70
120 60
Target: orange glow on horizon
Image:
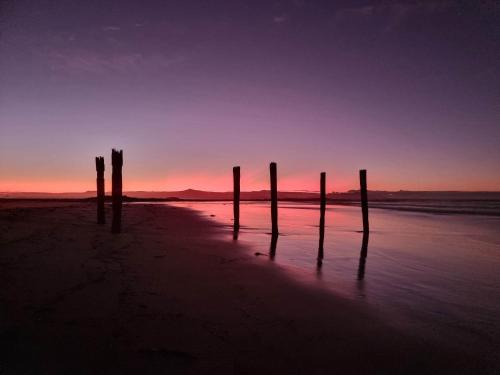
219 182
215 183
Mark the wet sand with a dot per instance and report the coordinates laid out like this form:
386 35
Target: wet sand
170 295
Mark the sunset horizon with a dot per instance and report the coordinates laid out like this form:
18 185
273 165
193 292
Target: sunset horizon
228 190
315 87
252 180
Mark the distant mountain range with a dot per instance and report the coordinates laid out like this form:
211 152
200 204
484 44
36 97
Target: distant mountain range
190 194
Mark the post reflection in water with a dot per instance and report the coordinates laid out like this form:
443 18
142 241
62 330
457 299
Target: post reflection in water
274 243
319 263
320 248
362 256
235 233
319 270
319 260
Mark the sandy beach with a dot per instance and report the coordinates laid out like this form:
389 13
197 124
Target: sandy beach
171 295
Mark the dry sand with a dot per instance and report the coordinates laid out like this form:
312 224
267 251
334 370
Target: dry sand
169 296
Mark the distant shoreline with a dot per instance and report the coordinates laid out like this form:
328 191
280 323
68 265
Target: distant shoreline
264 195
481 207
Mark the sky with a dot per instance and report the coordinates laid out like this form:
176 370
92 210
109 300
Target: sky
409 90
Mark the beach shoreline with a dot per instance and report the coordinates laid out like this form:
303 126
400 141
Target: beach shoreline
168 295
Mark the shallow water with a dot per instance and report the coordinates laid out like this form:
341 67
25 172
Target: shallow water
438 271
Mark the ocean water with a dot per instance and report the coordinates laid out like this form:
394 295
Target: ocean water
437 272
452 206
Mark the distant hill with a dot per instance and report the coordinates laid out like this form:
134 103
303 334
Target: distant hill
190 194
402 195
38 195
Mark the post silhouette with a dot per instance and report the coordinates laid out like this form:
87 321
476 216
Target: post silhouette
117 162
364 200
99 165
274 198
236 199
322 208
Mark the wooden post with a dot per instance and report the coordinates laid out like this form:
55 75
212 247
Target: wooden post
364 200
99 165
322 208
274 198
117 162
236 198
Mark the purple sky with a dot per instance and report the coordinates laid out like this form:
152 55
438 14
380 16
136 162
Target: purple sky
409 90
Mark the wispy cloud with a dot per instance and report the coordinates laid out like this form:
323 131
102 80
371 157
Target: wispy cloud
87 61
280 19
97 51
362 11
394 13
111 28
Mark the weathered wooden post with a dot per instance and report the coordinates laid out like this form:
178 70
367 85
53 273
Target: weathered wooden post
99 165
236 198
322 208
364 200
274 198
117 162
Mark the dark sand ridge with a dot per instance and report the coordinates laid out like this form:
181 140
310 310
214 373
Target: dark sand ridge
170 296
